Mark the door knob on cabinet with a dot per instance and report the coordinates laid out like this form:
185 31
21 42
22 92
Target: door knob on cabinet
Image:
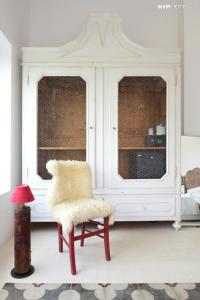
114 128
91 127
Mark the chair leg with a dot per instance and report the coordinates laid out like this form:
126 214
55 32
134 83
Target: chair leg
72 252
82 233
106 238
60 240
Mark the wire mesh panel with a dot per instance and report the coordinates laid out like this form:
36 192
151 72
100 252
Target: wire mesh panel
61 120
142 127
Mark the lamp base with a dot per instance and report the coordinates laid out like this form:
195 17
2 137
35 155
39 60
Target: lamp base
19 276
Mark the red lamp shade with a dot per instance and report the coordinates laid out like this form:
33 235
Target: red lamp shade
22 194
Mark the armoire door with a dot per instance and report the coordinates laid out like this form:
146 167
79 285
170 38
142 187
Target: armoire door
58 120
139 128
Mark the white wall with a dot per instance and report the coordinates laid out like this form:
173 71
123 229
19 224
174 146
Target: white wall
13 23
5 113
14 16
54 22
192 68
190 145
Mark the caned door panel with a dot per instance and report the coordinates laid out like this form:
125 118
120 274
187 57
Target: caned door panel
139 128
58 120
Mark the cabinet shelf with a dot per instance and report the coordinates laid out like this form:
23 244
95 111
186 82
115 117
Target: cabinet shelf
61 148
121 148
142 148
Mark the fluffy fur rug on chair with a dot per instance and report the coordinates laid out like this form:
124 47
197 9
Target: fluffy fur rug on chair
70 197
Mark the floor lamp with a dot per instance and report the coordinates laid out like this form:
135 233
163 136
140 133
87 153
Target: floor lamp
22 232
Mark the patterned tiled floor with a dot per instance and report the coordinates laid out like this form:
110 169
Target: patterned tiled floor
42 291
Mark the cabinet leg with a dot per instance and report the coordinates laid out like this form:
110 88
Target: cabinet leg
177 225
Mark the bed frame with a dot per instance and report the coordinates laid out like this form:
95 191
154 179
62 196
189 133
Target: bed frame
189 181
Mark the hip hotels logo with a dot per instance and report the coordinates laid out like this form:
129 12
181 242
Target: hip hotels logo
172 6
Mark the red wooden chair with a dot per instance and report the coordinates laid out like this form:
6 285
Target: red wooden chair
71 201
85 233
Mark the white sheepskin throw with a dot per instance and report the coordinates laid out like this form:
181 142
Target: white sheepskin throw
70 198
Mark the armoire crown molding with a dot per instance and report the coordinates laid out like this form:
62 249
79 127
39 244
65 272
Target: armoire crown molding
102 42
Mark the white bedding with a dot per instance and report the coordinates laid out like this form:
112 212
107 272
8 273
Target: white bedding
194 194
190 202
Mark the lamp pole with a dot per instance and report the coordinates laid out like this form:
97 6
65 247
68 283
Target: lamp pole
22 241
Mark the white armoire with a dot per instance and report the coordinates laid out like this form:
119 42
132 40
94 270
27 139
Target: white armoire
104 99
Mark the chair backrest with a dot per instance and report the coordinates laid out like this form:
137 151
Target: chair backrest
71 180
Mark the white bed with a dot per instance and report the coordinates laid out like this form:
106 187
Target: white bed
190 201
190 160
189 208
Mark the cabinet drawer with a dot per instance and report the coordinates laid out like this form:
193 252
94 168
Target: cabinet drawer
143 207
39 209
